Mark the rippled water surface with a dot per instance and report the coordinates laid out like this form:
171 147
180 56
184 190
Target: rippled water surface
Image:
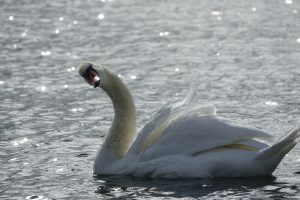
242 56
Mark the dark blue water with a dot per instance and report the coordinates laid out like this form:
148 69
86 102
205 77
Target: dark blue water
242 56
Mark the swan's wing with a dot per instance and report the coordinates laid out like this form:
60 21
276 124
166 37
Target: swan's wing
166 115
183 128
194 135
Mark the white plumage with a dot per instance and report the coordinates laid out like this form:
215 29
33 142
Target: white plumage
182 140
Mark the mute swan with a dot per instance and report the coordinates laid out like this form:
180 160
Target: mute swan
181 141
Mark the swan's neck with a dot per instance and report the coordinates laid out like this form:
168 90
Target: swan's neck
123 126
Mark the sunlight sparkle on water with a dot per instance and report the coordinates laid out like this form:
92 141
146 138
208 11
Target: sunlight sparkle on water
41 88
100 16
57 31
38 145
11 18
59 171
1 82
162 34
205 185
13 159
24 34
298 40
76 109
71 69
253 9
19 142
216 13
46 53
61 19
75 22
133 77
288 1
271 103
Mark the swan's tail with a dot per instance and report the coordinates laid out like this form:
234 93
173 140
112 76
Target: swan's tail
280 148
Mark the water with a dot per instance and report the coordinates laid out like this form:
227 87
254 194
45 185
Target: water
242 56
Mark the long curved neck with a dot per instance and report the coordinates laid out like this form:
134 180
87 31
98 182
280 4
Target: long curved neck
123 126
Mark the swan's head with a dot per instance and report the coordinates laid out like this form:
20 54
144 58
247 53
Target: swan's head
92 73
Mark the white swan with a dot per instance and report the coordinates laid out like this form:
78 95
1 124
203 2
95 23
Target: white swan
181 141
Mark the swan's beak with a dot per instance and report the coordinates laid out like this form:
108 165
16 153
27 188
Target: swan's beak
94 79
97 81
90 75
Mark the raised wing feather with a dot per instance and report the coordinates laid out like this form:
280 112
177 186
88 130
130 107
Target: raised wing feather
165 116
183 128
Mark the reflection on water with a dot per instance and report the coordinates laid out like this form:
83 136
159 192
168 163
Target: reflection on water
131 187
242 56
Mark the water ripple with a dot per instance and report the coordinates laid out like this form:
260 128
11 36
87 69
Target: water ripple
242 56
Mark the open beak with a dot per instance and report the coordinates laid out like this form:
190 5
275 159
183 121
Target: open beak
91 76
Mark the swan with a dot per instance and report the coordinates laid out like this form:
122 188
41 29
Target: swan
183 140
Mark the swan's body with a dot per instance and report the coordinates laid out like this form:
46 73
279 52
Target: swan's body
182 140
